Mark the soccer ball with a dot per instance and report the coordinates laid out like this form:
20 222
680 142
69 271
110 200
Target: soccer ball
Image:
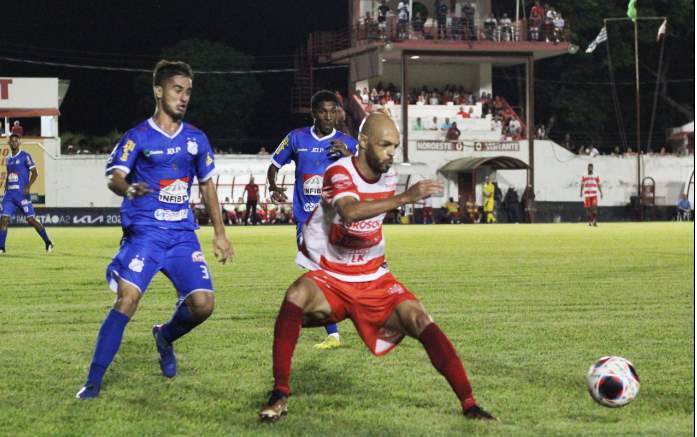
613 381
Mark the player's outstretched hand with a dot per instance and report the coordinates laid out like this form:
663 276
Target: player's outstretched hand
137 189
278 195
223 250
338 147
423 189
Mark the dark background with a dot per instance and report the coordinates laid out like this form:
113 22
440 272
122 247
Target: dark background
573 91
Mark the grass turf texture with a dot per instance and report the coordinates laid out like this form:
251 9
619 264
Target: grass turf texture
528 307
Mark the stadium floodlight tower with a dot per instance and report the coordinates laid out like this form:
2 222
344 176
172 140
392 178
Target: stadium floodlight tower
431 51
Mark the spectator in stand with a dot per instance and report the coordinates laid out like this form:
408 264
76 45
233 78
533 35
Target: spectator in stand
506 28
616 152
490 25
441 18
421 99
463 113
263 151
433 99
417 25
446 124
374 96
558 23
468 21
663 151
594 152
365 96
453 210
403 20
17 129
382 12
434 124
528 204
252 191
541 132
515 128
471 210
418 125
568 142
537 14
549 23
453 133
510 205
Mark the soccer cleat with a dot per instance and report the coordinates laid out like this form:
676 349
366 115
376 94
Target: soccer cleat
477 413
88 391
331 342
275 408
2 251
168 360
49 247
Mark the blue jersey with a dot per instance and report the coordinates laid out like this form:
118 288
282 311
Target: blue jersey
18 171
311 156
166 164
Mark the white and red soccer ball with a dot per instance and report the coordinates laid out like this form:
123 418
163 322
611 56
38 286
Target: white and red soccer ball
613 381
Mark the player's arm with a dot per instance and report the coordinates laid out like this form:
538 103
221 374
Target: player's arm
278 194
118 184
221 245
352 210
600 190
33 174
581 193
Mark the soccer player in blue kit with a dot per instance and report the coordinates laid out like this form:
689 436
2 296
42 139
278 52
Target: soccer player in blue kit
153 167
312 149
21 174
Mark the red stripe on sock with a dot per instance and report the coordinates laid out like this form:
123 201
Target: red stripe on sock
444 358
285 337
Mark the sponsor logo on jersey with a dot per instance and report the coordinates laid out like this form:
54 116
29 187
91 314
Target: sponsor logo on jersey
175 150
317 150
136 264
149 153
174 190
198 257
127 149
192 146
365 226
167 215
12 177
312 184
310 206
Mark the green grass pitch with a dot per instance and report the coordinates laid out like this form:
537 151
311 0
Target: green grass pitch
528 307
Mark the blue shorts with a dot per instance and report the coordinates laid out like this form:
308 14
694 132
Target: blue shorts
14 200
146 251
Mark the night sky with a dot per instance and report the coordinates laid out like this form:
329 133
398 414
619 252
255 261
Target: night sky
132 34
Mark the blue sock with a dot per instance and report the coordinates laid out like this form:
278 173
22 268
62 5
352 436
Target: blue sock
181 323
3 237
44 235
108 342
332 329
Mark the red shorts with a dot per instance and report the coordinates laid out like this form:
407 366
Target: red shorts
367 304
590 201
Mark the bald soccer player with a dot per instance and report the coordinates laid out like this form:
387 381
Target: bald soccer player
344 250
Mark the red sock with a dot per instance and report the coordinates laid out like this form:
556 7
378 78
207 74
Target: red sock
445 360
285 337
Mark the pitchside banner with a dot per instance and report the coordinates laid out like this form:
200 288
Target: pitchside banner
35 149
458 146
73 217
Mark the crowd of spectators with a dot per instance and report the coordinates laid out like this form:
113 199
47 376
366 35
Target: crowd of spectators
461 22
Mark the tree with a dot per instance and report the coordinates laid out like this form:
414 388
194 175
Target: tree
221 104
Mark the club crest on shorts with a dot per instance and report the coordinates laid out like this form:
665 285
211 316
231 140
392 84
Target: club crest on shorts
136 264
198 257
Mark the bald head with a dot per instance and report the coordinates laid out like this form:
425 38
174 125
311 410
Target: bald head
378 127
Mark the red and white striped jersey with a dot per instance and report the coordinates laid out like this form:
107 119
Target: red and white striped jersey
349 252
590 185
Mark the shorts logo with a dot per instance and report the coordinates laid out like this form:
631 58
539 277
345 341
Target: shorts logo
136 264
198 257
167 215
312 185
174 190
192 147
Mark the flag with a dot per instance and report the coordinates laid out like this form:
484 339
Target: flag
631 10
602 37
661 30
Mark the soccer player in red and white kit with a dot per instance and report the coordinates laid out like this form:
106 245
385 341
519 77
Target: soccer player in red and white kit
590 187
344 249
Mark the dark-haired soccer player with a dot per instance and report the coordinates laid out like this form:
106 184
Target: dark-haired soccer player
344 249
153 167
312 149
590 187
21 174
